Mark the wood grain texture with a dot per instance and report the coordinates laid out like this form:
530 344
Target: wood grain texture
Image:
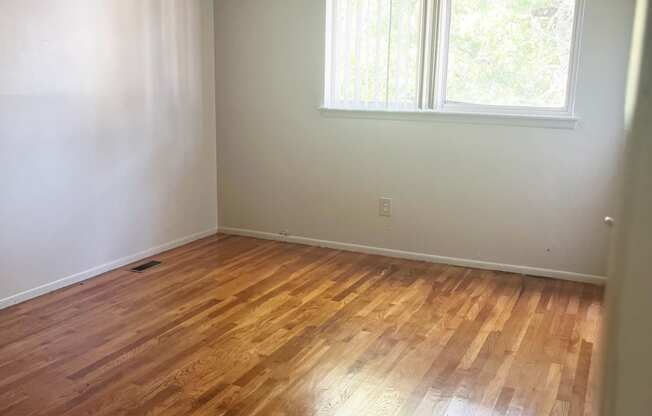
237 326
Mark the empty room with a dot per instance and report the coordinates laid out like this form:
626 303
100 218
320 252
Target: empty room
326 207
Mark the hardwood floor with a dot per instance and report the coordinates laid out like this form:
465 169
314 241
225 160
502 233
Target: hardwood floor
237 326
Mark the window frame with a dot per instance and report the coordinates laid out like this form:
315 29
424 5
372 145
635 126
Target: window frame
433 72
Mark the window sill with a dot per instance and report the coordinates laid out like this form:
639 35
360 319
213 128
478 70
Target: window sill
541 121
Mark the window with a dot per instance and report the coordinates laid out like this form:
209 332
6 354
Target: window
460 56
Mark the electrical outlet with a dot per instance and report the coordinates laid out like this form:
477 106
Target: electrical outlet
385 207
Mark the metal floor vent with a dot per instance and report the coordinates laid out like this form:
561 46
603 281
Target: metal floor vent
145 266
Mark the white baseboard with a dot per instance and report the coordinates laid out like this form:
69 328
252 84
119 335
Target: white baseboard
95 271
475 264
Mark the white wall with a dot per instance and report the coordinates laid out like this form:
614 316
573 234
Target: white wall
490 193
107 134
628 376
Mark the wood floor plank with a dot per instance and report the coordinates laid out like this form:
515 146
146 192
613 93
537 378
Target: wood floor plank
238 326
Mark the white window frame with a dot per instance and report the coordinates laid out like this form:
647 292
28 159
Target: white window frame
433 71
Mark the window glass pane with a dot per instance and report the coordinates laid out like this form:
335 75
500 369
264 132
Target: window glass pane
510 52
375 53
405 45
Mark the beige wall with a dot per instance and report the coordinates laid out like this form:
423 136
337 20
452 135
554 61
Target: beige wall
628 377
512 195
107 134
